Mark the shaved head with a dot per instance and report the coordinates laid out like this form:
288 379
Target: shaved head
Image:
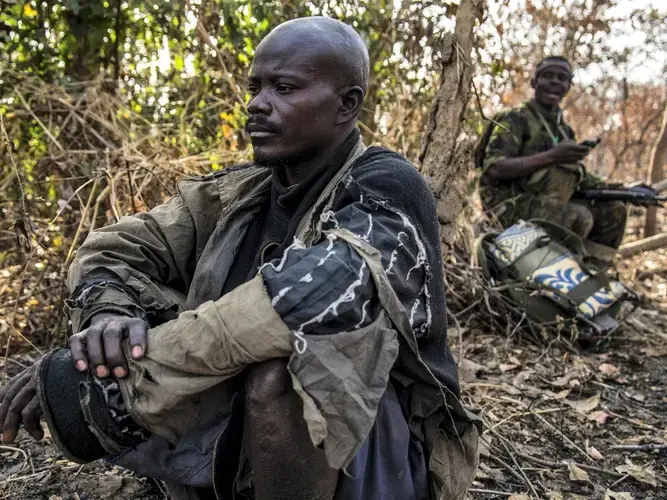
327 39
307 84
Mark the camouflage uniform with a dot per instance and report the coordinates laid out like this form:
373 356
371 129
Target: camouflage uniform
547 193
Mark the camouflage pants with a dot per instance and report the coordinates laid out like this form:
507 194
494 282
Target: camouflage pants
602 222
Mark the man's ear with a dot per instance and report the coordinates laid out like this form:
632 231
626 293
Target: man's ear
352 99
533 81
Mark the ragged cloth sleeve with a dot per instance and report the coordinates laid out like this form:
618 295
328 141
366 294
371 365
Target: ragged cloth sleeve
137 266
328 288
318 306
506 137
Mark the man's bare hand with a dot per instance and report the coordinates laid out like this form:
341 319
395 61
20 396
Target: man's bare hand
101 345
568 152
19 404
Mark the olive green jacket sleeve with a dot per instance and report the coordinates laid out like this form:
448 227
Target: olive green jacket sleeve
143 264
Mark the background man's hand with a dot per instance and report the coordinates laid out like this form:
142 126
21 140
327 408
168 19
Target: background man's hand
100 346
568 152
19 404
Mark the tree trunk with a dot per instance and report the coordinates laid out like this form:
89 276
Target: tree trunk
656 174
445 158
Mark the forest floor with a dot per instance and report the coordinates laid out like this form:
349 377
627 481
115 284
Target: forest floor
560 424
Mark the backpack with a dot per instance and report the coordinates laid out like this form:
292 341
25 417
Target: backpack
543 267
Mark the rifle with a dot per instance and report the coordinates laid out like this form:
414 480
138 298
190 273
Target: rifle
636 194
641 195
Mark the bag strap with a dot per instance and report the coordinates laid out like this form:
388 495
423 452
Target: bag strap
305 231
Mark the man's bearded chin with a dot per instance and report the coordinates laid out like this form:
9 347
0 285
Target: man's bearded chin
278 160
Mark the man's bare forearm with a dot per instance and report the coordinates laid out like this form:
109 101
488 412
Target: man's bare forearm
509 169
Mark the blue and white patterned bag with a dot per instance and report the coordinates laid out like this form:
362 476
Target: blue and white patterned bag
548 279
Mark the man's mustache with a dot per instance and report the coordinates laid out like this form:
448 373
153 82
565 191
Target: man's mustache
258 124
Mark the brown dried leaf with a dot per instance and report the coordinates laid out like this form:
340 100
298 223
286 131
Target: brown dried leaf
641 474
485 444
612 495
468 370
594 453
505 367
562 381
576 473
562 394
609 369
585 406
654 352
519 497
480 474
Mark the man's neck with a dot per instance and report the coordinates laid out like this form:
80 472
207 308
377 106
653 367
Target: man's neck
545 108
297 173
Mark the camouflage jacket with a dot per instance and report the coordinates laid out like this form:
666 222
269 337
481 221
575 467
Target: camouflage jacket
521 131
358 296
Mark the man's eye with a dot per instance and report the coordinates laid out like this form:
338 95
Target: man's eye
253 89
283 88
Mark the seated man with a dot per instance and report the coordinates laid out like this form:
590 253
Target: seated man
276 330
531 165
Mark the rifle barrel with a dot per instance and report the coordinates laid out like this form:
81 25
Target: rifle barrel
616 194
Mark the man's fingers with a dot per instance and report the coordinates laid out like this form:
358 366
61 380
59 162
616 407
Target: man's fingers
113 348
138 333
14 415
95 348
31 417
77 346
13 388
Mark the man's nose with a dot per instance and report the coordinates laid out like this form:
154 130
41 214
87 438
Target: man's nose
260 104
554 79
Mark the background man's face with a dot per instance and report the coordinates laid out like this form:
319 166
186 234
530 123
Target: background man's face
293 105
552 83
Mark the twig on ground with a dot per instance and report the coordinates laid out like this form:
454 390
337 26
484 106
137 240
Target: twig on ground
508 468
619 481
639 447
26 457
523 474
634 421
522 413
556 465
565 438
491 492
162 490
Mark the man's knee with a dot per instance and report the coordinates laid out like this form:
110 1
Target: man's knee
618 212
266 384
610 221
579 219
